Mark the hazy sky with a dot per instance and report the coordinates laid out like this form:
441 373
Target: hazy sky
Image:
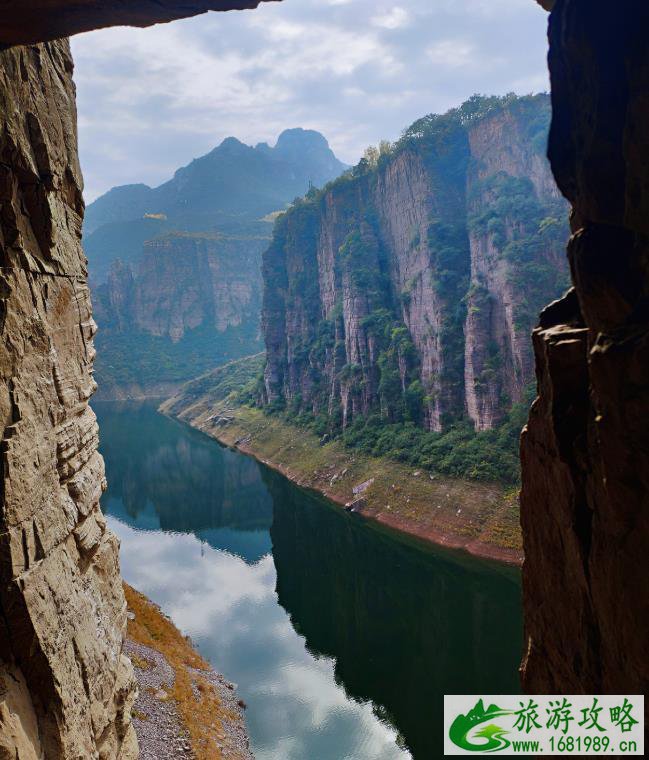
357 70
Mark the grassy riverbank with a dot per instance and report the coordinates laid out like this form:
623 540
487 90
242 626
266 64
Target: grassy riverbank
184 708
480 517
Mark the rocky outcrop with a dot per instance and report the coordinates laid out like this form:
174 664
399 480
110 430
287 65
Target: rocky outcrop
117 306
66 686
29 21
585 452
410 286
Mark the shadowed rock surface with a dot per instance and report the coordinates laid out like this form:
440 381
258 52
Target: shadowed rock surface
28 21
585 453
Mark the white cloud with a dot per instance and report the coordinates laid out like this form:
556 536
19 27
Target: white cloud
230 608
395 18
452 53
151 100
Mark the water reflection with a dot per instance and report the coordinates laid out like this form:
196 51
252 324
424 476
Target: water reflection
343 639
404 626
164 476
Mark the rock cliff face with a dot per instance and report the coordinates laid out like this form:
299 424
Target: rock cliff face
192 303
516 229
184 282
411 285
585 452
66 686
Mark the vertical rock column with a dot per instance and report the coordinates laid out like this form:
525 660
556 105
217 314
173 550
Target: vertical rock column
65 686
422 212
508 181
585 452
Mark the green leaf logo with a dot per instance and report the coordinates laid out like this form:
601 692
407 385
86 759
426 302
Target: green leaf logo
463 735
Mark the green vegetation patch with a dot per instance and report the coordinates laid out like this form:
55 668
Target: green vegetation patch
459 452
144 360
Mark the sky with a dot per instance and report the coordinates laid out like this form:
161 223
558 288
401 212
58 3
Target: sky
358 71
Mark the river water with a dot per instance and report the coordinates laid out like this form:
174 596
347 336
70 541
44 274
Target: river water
341 636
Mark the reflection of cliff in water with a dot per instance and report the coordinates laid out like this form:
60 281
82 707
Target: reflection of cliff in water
158 469
403 625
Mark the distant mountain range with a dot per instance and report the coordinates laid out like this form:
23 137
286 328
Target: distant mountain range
230 190
176 270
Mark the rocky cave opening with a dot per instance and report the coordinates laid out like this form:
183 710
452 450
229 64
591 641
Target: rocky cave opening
67 692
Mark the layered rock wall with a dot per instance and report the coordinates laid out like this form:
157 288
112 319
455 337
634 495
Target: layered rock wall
66 686
516 224
585 452
410 287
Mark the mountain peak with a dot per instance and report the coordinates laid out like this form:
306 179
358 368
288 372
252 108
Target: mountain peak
231 143
307 147
298 138
230 188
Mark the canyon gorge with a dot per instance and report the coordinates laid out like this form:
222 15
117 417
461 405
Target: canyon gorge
175 271
66 686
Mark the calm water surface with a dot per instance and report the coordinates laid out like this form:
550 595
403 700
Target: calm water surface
342 637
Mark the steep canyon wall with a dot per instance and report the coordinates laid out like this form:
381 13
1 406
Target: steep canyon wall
182 282
585 452
66 686
410 286
191 303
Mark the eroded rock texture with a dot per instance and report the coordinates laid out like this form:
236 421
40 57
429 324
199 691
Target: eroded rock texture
65 686
585 453
516 222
